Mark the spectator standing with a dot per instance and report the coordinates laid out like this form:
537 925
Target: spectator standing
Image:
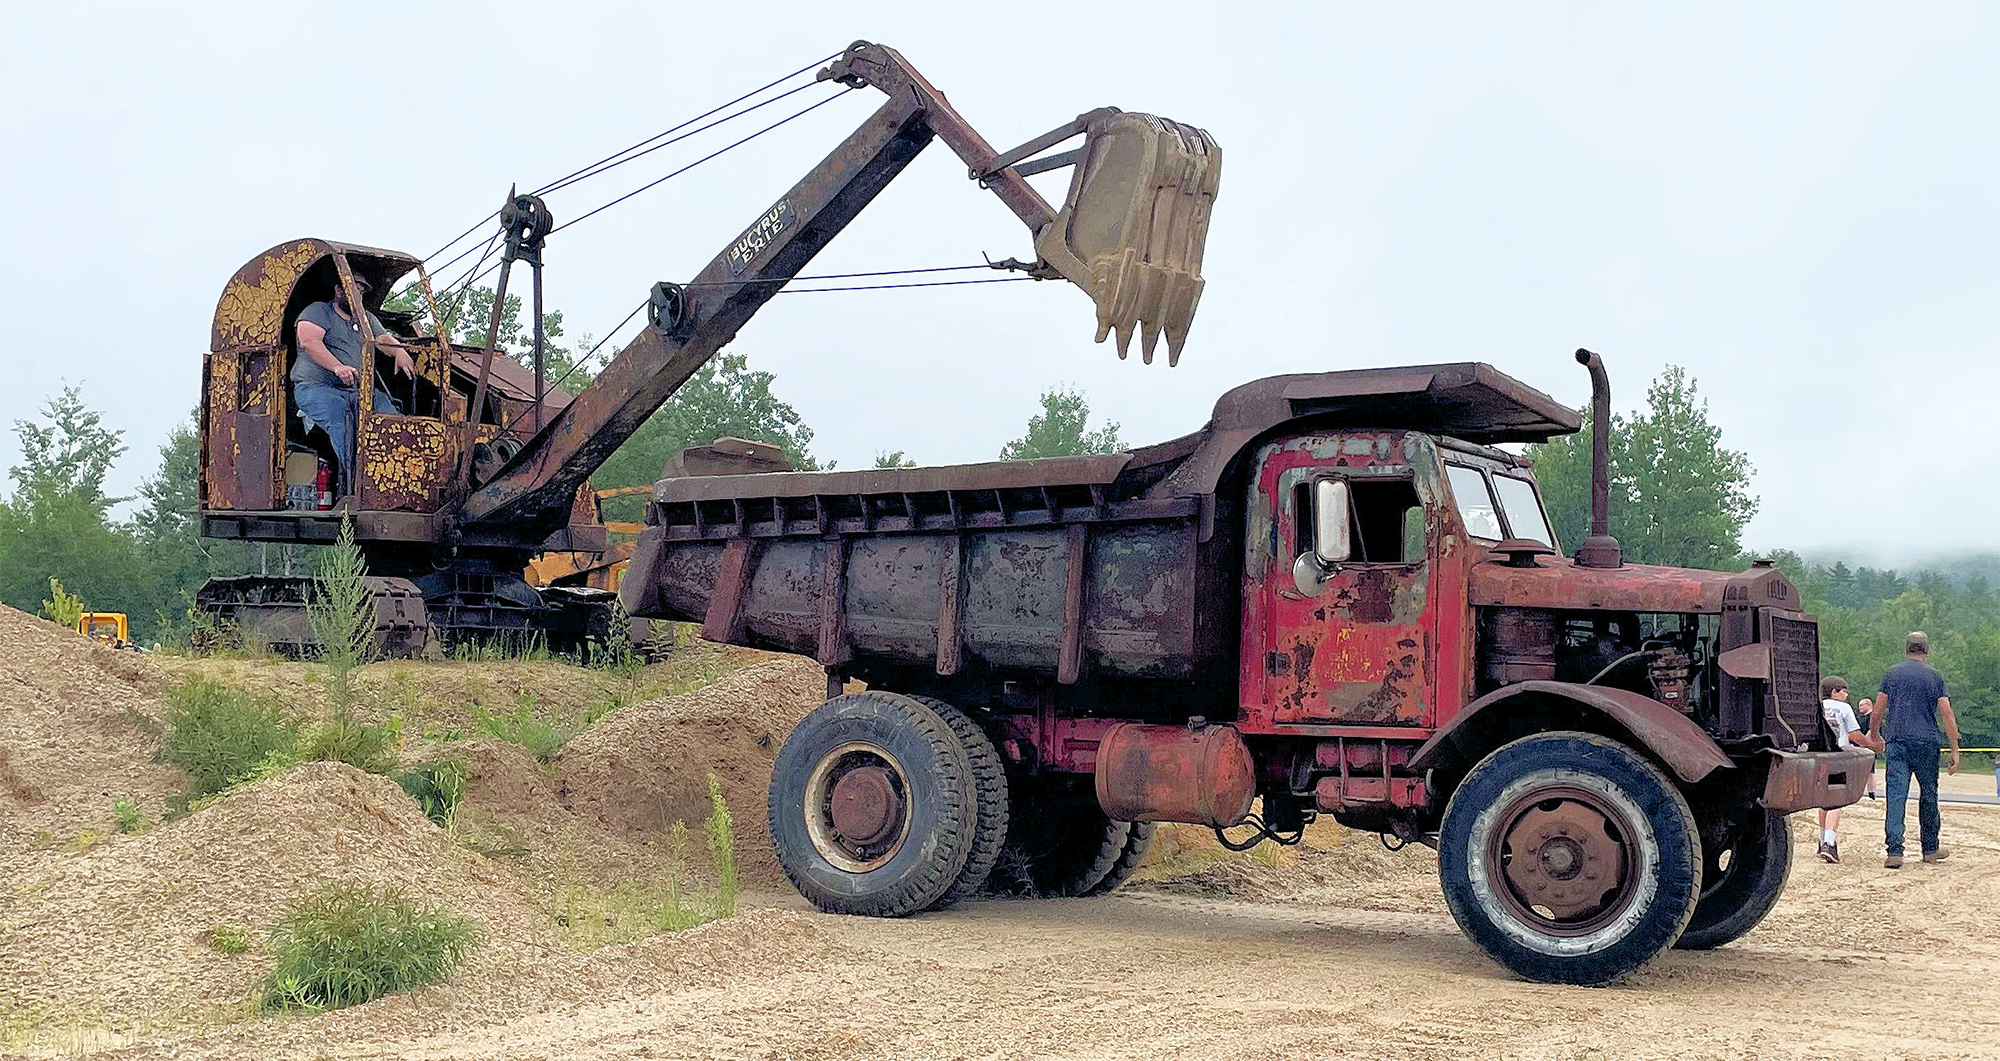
1849 734
1914 719
1864 712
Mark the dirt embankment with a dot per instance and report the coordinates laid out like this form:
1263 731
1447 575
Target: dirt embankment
109 935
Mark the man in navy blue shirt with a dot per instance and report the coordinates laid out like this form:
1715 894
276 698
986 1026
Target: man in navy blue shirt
1913 715
326 377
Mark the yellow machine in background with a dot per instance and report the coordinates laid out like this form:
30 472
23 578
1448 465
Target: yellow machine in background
108 627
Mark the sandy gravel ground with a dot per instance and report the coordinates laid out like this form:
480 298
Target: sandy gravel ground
1355 957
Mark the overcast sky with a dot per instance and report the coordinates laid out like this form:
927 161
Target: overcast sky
1798 203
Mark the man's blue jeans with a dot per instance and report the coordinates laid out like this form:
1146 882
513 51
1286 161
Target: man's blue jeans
1908 758
334 411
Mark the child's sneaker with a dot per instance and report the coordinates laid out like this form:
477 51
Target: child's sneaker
1893 862
1939 855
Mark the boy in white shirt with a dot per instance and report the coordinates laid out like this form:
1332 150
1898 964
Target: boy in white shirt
1848 732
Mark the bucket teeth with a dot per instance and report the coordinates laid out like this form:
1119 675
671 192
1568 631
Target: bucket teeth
1133 227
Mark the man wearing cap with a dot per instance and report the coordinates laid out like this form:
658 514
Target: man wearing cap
326 376
1909 712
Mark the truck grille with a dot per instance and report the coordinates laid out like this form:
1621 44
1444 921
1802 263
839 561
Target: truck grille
1795 677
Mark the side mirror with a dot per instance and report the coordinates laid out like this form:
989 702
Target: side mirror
1330 521
1331 543
1308 575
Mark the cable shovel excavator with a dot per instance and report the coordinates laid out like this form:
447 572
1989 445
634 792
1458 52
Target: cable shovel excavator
479 465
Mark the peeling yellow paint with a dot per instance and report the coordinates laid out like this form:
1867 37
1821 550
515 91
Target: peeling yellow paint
252 312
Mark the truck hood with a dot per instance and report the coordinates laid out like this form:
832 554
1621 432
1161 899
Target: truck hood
1559 583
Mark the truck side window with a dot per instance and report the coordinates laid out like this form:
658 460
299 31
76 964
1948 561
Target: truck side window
1382 510
1475 502
1385 521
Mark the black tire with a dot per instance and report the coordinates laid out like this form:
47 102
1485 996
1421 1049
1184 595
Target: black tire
1060 844
921 829
1737 896
1138 839
1576 802
989 784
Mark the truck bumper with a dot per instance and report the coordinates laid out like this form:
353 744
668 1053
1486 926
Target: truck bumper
1803 780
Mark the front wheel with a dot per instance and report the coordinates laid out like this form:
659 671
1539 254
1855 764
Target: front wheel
1742 883
1569 858
872 806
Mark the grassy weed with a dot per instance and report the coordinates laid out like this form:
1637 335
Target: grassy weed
437 787
542 732
229 939
353 943
217 733
594 916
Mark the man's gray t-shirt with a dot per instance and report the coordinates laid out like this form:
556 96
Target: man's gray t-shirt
343 341
1911 689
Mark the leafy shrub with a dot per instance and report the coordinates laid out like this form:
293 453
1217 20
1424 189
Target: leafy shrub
66 608
88 839
436 786
217 733
130 818
341 610
353 943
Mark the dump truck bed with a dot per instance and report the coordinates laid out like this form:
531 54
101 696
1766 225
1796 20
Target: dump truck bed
1046 566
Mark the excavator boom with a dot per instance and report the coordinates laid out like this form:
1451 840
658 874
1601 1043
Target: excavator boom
1130 233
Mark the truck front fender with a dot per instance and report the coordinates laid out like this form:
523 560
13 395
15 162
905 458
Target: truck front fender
1491 720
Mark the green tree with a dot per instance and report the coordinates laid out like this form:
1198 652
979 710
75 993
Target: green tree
469 313
57 523
1678 496
167 529
893 459
1059 430
726 397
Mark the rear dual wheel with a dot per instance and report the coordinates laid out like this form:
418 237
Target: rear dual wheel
1062 845
885 805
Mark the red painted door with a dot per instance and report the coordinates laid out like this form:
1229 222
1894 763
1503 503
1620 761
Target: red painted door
1360 650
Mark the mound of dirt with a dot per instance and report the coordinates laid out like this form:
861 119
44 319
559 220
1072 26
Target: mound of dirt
79 724
123 927
647 766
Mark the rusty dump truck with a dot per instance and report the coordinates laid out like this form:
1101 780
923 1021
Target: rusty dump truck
1338 597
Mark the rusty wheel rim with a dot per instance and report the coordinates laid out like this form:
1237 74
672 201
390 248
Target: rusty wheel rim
857 806
1566 858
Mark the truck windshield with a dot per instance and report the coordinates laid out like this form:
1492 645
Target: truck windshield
1475 502
1523 509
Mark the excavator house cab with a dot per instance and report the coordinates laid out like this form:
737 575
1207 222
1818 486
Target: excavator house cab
261 463
254 444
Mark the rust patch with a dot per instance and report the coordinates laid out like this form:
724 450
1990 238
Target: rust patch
402 462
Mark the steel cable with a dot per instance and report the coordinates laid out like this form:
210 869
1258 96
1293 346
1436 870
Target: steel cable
580 174
711 155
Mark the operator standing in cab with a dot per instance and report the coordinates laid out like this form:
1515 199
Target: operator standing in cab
326 375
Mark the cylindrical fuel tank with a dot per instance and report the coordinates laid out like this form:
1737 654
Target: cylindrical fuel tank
1203 776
